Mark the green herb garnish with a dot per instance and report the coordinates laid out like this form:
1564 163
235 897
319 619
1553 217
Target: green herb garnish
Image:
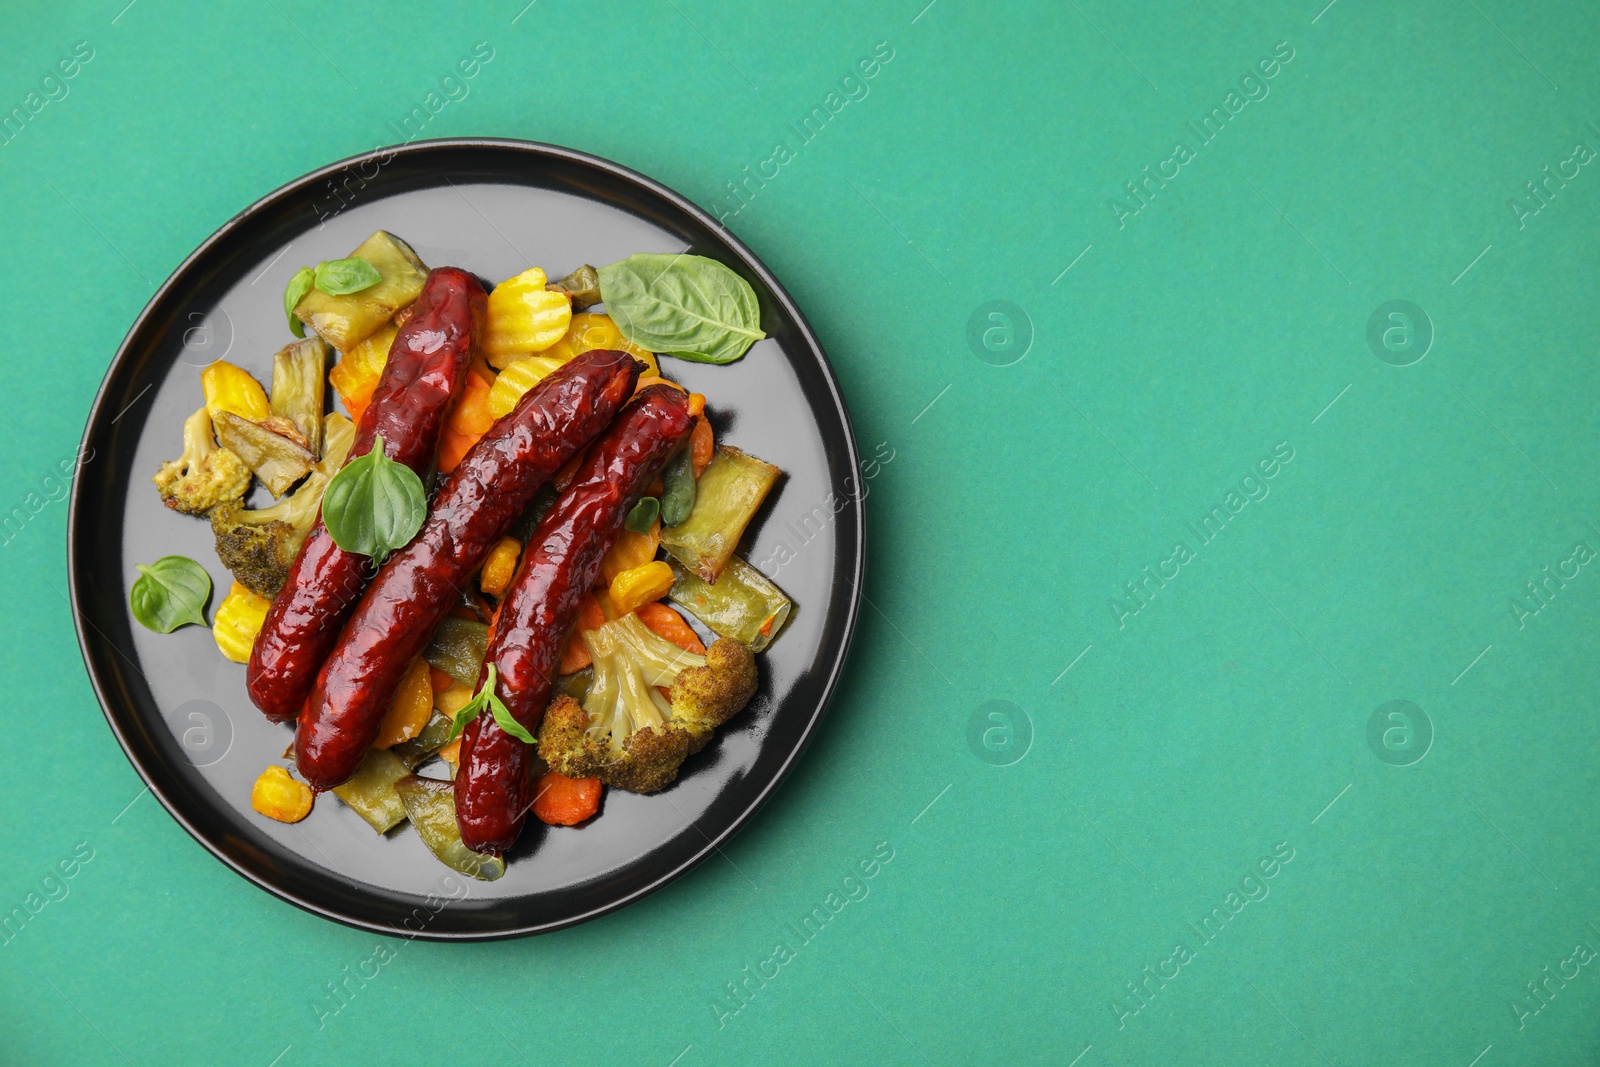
685 306
486 698
170 592
374 505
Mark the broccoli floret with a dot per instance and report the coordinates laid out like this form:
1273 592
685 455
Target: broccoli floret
205 476
260 546
625 732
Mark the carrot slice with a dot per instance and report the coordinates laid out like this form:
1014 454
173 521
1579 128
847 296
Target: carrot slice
669 626
702 446
563 801
469 420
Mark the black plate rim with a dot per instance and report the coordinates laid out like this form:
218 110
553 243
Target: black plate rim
540 150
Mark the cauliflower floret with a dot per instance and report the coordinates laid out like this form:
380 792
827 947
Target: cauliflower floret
205 475
625 732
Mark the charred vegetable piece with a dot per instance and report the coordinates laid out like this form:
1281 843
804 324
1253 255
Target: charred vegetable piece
299 375
371 791
742 605
205 476
259 546
277 461
583 285
431 805
457 649
346 321
415 752
726 499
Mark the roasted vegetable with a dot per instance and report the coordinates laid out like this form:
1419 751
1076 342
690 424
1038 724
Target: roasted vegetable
371 791
582 285
592 330
346 321
562 801
468 421
726 498
524 318
415 752
409 709
277 796
277 461
516 379
299 377
457 649
640 585
625 732
259 546
205 476
668 625
230 388
743 604
431 806
239 619
356 374
500 567
678 489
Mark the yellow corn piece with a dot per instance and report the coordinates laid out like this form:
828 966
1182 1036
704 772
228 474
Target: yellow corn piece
277 796
629 551
239 619
500 567
410 709
515 380
356 374
591 330
230 388
524 318
641 585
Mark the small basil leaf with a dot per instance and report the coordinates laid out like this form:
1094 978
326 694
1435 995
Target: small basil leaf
677 497
472 708
686 306
299 286
340 277
502 716
374 505
642 515
170 592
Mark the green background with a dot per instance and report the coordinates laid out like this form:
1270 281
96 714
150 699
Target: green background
1227 717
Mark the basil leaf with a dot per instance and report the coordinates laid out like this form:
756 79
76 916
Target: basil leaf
642 515
374 505
170 592
685 306
486 698
502 716
299 286
340 277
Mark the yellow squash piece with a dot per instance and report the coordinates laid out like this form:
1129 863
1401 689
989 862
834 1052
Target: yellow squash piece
515 380
356 374
500 567
630 550
410 709
591 330
524 318
345 321
277 796
230 388
239 619
641 585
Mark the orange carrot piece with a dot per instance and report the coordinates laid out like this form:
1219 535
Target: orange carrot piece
469 420
575 657
441 681
669 626
591 616
697 403
702 445
563 801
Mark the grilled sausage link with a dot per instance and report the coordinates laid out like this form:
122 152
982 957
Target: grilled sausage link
418 585
492 788
427 364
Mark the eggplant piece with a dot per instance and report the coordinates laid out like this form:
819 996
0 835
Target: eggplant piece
277 461
371 792
742 605
346 321
431 806
727 497
299 379
582 285
458 649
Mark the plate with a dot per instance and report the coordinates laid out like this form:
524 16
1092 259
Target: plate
180 710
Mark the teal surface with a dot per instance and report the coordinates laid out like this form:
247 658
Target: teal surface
1112 815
